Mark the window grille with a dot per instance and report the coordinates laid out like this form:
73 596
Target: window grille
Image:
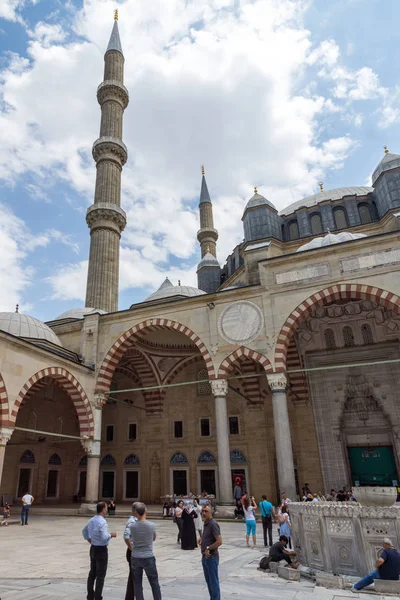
294 231
348 336
316 224
340 218
366 333
329 339
203 387
365 213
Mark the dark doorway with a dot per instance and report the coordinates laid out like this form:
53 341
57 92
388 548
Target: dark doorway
23 483
131 484
372 466
82 484
207 481
52 484
240 476
108 484
179 482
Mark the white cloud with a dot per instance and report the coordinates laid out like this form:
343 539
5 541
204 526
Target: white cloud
11 9
47 34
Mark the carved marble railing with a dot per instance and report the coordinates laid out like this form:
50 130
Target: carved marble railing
342 538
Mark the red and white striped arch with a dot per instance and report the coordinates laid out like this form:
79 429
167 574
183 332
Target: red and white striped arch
345 291
119 348
3 402
70 385
233 358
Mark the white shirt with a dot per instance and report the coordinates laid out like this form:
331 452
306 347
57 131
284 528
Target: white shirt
27 499
249 513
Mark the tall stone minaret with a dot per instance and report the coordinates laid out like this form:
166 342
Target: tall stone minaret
105 217
207 235
208 269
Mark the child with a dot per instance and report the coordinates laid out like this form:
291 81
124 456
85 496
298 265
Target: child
6 514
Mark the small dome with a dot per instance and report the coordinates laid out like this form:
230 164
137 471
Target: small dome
24 326
330 239
388 162
336 194
258 200
167 290
79 313
208 260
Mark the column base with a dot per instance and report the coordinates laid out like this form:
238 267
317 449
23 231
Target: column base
88 508
225 510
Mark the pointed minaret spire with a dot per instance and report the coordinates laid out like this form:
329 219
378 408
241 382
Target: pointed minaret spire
105 217
207 235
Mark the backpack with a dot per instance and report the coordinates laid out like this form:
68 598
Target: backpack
264 563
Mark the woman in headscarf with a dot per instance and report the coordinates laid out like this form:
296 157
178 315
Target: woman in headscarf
188 541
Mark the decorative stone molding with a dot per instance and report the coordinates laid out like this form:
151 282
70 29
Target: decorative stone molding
113 90
91 447
110 148
99 215
5 435
100 400
240 322
219 387
277 382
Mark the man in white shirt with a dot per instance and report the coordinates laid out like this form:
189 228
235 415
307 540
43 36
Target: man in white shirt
130 594
27 501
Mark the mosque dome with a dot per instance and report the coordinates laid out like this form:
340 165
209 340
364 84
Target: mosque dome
27 327
208 260
388 162
335 194
79 313
168 290
258 200
330 239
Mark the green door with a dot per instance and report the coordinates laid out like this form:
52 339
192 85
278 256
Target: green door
373 466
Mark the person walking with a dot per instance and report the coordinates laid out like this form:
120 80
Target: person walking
237 492
143 534
267 513
27 501
189 541
249 508
387 567
6 514
198 522
285 527
96 533
178 519
130 593
209 543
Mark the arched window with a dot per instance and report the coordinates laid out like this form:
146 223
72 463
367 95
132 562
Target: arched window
132 459
206 457
58 425
365 213
179 459
293 230
316 224
339 214
329 339
348 336
31 424
27 457
108 461
237 456
203 387
54 460
366 333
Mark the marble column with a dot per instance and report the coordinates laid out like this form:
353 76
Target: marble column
219 389
5 435
283 440
92 447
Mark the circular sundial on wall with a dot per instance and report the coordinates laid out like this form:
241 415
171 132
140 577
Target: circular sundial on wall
240 322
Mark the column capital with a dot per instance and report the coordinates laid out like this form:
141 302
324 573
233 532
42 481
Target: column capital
5 435
100 400
277 382
219 387
91 447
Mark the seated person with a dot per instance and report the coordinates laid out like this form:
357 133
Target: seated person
111 507
278 552
239 510
387 567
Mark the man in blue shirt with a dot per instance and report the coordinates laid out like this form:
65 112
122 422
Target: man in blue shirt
387 567
267 512
96 533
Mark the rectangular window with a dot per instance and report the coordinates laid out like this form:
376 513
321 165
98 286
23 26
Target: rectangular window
178 429
204 427
234 425
109 433
132 432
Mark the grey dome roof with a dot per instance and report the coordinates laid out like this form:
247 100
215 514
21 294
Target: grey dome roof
208 260
336 194
388 162
258 200
330 239
167 290
79 313
25 326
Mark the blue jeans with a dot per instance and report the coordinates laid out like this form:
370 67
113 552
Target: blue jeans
210 568
148 565
367 580
25 513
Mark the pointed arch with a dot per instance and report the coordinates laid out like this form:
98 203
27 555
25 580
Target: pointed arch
230 360
70 385
4 416
345 291
120 346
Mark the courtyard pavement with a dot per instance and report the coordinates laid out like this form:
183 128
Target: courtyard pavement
48 560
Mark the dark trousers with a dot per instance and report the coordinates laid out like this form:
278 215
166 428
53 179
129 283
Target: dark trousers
97 573
179 523
281 556
267 528
130 593
25 514
210 569
148 565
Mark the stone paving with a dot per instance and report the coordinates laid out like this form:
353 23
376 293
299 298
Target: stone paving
48 559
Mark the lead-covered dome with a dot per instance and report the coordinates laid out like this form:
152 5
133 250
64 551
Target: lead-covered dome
79 313
388 162
330 239
168 290
27 327
335 194
258 200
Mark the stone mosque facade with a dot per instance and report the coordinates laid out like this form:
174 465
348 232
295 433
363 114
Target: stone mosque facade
282 367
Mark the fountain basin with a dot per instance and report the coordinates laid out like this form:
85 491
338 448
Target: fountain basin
375 496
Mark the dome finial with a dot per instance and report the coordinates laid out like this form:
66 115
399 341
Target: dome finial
17 308
116 15
386 149
179 282
208 249
203 170
255 189
321 186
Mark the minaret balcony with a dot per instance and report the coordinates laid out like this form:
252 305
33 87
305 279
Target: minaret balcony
113 90
106 215
206 234
110 148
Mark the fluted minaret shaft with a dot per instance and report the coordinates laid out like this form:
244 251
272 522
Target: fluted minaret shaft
207 235
105 217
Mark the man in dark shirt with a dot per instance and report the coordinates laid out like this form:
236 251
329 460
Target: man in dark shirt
210 541
278 551
387 567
